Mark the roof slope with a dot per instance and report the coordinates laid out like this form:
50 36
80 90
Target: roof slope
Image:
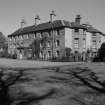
46 26
53 25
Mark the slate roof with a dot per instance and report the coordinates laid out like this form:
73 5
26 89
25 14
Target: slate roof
93 30
46 26
55 24
76 25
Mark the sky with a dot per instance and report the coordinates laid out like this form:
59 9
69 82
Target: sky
12 11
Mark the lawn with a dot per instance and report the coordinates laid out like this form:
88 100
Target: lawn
32 63
66 91
54 80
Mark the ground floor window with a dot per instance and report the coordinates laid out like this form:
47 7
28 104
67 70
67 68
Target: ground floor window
57 53
41 54
49 54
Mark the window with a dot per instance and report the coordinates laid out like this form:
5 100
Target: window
14 39
34 35
94 44
84 43
84 32
49 53
27 36
81 31
76 43
31 35
57 43
41 44
76 30
41 35
41 54
38 35
17 37
10 38
57 32
57 53
94 34
21 37
48 44
48 34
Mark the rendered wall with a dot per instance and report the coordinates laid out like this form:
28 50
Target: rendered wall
68 38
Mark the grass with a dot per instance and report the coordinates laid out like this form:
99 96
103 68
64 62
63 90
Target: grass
66 91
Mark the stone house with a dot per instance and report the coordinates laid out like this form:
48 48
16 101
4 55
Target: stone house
61 35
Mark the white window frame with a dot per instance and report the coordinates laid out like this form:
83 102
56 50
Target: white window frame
57 43
49 44
49 54
84 43
57 53
76 43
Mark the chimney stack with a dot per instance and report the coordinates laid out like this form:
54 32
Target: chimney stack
52 15
78 19
37 18
22 23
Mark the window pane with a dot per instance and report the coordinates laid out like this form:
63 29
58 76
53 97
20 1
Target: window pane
76 43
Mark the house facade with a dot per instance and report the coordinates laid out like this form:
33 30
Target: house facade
56 39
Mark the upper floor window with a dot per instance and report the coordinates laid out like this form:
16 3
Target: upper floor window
76 30
46 34
84 32
94 44
41 54
57 53
21 37
41 44
14 39
48 44
27 36
94 34
39 35
10 38
57 32
84 43
34 35
76 43
31 35
49 53
57 43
